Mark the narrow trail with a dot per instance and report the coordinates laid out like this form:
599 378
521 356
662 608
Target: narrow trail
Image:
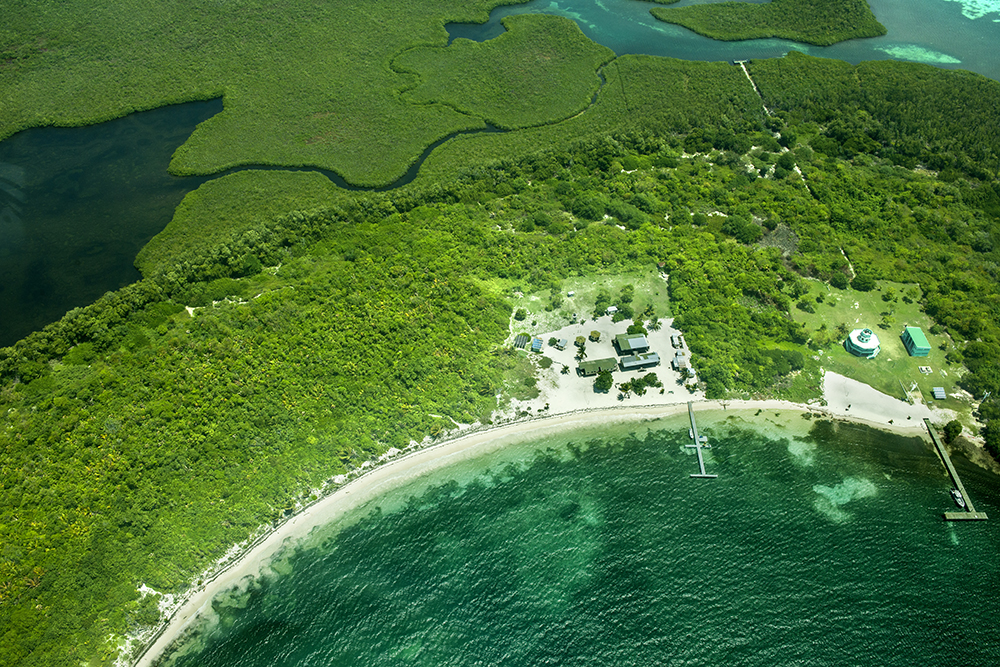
743 66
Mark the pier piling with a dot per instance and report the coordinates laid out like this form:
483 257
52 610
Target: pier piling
970 514
699 443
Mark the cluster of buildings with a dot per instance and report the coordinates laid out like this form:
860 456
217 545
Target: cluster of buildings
636 355
865 343
634 352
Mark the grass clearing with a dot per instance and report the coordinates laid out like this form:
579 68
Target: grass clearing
650 289
893 369
520 380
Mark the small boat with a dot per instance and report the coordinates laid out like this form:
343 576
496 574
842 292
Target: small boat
957 497
691 433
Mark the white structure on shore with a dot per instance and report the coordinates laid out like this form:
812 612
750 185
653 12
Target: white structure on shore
863 343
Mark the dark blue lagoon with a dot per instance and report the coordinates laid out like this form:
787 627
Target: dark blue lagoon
819 544
77 205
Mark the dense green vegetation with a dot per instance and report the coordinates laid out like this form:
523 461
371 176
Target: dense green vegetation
541 70
228 207
820 22
642 94
907 113
139 442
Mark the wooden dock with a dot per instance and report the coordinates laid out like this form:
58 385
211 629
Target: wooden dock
698 445
970 514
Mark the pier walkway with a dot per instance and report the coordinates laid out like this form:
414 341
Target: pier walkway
698 444
970 514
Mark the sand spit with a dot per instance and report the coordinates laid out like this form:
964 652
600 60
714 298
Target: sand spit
844 398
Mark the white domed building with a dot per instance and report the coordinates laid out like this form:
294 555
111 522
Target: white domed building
863 343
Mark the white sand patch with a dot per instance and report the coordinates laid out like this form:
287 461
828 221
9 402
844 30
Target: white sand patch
977 9
850 398
568 392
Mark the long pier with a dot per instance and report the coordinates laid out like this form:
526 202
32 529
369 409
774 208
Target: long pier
970 514
698 444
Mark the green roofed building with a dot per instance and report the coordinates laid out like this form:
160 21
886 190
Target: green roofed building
916 342
597 365
631 343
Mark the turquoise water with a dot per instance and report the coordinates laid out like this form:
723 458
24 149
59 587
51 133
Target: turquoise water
946 33
826 549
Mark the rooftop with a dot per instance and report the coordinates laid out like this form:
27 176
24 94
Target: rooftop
640 361
631 343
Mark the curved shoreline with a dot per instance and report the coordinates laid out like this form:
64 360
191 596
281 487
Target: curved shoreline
463 446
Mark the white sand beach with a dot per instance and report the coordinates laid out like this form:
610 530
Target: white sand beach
572 404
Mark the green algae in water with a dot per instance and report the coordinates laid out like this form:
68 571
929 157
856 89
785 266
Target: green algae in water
601 550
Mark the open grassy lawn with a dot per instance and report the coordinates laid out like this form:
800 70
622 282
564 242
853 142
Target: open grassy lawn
893 369
650 288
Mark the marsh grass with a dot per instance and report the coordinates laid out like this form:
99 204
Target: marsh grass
304 83
543 69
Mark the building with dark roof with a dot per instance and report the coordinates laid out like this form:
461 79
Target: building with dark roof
597 365
680 361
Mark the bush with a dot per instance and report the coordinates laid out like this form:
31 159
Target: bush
863 283
604 381
742 229
952 430
838 280
542 219
590 207
520 314
786 161
991 434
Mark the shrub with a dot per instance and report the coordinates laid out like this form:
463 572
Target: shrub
863 283
590 207
838 280
952 430
604 381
